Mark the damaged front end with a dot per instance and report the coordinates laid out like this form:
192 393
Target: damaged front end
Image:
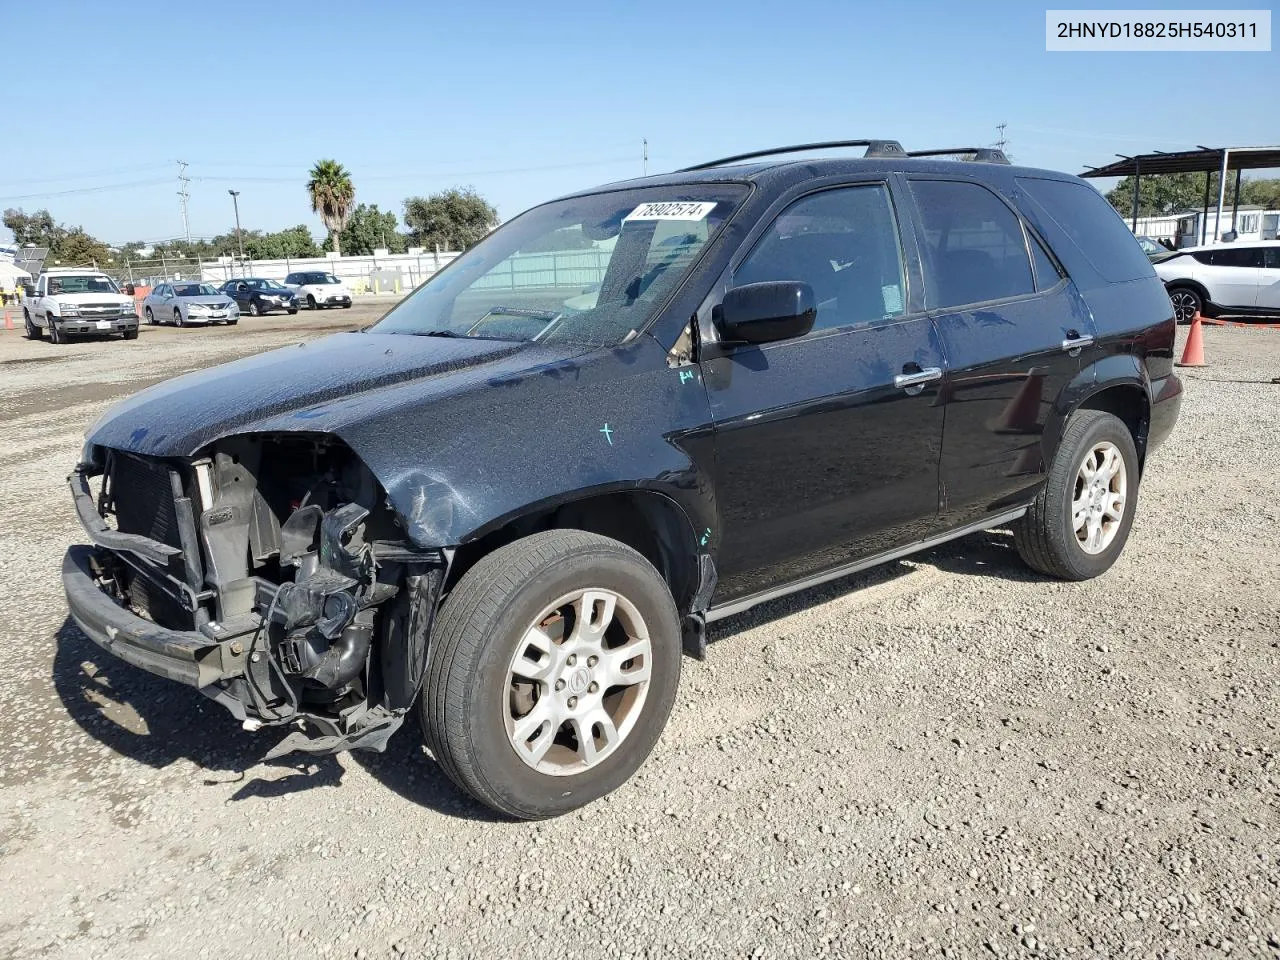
269 572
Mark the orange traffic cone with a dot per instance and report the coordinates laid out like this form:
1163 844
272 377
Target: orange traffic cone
8 320
1193 353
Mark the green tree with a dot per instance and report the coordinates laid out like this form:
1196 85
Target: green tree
1166 193
332 193
455 219
71 246
369 229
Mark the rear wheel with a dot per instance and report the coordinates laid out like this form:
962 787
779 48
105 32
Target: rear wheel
1186 303
553 668
1077 526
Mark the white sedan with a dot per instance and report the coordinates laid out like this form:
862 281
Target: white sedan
184 303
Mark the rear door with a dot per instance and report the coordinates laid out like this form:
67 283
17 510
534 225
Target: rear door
1234 275
1015 333
827 445
1269 279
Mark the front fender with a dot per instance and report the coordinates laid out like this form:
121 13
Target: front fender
621 420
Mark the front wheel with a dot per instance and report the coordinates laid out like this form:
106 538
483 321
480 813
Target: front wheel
553 668
32 331
1077 526
311 302
254 309
151 317
178 318
55 332
1186 303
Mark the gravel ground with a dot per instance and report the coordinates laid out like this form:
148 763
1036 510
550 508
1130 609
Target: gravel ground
947 756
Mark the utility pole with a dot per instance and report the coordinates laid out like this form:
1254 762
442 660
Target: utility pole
183 180
645 142
235 199
1001 142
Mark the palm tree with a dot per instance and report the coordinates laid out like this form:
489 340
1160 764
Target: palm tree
332 193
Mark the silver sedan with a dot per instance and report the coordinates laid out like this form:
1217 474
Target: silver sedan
184 303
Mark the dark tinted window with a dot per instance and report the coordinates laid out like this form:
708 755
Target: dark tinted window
1271 258
1093 225
974 243
844 244
1203 256
1237 257
1047 272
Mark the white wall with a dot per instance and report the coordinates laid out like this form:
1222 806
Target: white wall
361 274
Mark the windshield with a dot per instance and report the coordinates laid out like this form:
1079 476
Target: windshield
266 285
319 278
195 290
590 269
88 283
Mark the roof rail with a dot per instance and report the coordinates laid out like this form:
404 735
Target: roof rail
979 154
875 148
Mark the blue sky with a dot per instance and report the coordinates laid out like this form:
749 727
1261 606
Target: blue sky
527 101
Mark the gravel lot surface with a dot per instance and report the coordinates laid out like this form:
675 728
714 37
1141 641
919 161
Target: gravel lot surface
947 756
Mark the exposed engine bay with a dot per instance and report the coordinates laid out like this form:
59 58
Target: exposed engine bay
281 552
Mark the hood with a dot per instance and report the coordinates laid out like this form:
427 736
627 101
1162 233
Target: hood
213 300
286 292
92 297
307 387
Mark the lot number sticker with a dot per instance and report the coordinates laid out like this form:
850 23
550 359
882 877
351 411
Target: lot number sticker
671 210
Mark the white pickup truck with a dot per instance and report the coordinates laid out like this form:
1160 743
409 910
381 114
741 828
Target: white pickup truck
69 302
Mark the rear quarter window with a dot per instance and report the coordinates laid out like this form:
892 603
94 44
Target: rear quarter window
1093 225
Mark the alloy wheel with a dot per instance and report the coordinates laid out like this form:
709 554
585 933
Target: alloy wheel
1185 305
578 682
1098 502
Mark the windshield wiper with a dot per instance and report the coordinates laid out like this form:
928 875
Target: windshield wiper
435 333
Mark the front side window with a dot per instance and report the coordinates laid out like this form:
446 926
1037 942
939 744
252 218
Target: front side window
844 244
523 282
974 245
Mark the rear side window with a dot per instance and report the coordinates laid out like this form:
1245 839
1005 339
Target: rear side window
1047 272
1271 258
1093 225
974 243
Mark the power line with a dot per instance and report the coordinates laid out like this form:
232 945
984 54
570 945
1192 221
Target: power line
103 188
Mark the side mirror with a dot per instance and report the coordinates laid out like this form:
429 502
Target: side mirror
766 312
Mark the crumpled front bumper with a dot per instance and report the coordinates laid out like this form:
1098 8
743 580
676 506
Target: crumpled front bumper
188 657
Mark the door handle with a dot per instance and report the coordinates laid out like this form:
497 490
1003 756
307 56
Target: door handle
1074 342
917 378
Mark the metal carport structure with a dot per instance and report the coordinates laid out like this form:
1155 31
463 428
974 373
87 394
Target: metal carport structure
1204 159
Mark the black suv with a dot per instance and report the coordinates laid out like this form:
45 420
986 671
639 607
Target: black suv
624 414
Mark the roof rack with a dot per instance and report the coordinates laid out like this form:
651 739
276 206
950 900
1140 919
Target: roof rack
979 154
875 148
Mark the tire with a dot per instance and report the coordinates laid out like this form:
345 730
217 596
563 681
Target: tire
32 331
469 700
293 312
178 318
346 306
232 323
150 317
55 333
311 303
130 335
1186 303
254 309
1046 536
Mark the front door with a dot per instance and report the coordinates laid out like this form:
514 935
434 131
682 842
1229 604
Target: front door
827 445
1015 333
1269 279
